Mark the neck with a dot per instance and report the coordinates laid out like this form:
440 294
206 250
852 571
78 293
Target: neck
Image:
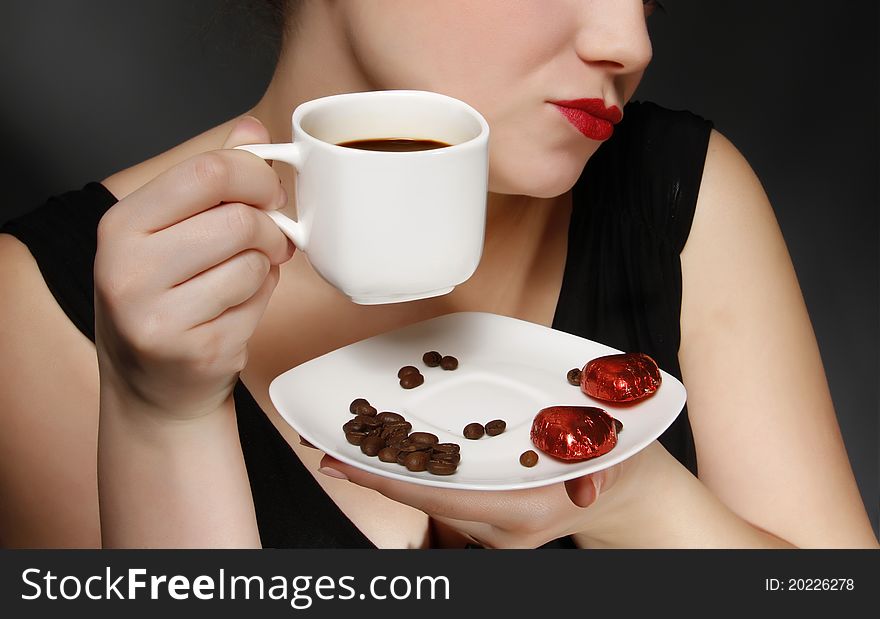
316 61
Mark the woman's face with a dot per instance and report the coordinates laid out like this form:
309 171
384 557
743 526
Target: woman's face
509 59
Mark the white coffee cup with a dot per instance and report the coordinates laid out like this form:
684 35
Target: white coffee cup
381 226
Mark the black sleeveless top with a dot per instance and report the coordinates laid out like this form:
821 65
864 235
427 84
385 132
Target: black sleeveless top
632 211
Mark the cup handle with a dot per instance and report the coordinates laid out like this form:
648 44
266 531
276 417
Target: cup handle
291 154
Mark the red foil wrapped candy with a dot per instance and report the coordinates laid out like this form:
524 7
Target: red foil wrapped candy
620 378
574 432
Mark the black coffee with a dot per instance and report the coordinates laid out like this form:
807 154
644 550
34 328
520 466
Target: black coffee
394 145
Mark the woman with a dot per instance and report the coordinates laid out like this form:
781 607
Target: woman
199 302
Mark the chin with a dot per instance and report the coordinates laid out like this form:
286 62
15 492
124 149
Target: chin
552 177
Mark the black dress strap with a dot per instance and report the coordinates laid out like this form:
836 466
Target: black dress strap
632 211
62 236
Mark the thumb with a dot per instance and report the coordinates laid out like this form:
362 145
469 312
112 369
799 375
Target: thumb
583 491
247 130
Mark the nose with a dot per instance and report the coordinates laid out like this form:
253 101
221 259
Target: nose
613 35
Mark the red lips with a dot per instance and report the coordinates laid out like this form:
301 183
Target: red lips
590 116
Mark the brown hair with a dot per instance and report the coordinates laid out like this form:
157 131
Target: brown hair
277 13
254 27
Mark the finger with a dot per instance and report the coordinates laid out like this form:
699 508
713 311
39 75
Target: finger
209 238
247 130
241 321
238 323
230 283
199 183
305 443
583 491
469 505
221 345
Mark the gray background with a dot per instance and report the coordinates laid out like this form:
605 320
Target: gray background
91 87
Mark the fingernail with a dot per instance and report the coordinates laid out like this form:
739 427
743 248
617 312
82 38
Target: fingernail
597 484
326 470
247 118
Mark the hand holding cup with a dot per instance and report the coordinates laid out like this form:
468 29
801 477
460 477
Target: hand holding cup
184 269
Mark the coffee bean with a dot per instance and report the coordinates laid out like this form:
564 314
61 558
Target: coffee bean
443 457
431 359
353 425
416 461
528 458
440 468
574 377
392 433
403 423
369 420
473 431
410 381
397 441
371 445
407 369
387 435
618 425
409 447
387 417
449 363
355 438
357 403
424 438
362 407
388 454
495 427
398 426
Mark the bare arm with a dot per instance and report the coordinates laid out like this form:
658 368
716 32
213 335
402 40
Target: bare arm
773 470
163 486
171 339
171 483
48 412
768 444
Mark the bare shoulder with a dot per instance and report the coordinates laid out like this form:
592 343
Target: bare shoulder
767 439
49 414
